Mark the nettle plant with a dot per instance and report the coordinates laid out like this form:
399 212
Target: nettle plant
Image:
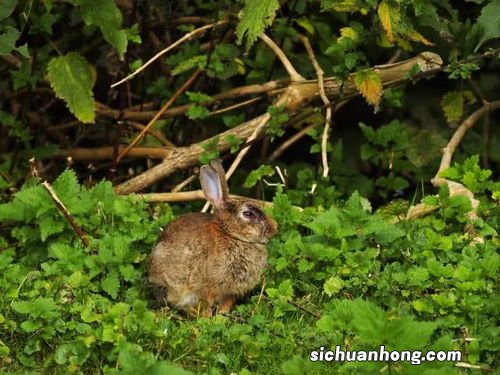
425 284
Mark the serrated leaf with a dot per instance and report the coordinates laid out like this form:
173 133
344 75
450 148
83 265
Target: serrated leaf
197 112
453 106
22 307
45 308
111 285
107 17
257 174
333 285
397 25
342 6
49 226
6 8
369 85
489 23
348 33
72 79
254 18
30 325
68 190
417 37
389 15
190 63
198 97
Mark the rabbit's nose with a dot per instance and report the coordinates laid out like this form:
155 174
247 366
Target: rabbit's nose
272 229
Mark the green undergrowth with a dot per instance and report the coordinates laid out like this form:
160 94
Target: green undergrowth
339 274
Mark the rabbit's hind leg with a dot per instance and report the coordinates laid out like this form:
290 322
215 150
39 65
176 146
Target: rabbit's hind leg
226 304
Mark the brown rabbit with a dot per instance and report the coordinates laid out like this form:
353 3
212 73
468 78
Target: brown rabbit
207 260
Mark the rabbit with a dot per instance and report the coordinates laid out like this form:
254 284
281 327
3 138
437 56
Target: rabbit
204 261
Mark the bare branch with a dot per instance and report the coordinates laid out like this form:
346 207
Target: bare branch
294 76
174 97
455 140
187 196
290 141
235 106
106 153
154 133
326 101
169 48
62 208
138 113
293 98
455 188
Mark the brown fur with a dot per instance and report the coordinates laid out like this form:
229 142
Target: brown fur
210 260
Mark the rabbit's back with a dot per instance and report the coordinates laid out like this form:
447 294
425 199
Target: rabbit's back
180 256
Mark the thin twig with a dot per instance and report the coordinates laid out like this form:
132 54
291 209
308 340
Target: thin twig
473 367
193 195
455 188
325 100
290 141
265 119
294 76
305 309
169 48
154 133
261 294
174 97
234 106
293 99
183 184
60 205
477 90
455 140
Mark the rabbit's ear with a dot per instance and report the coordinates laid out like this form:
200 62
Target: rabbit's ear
211 185
217 166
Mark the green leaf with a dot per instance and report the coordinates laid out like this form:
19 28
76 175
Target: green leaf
8 40
111 285
198 97
6 8
453 106
190 63
49 226
72 79
196 112
489 23
257 174
30 325
369 85
255 17
234 142
105 15
22 307
333 285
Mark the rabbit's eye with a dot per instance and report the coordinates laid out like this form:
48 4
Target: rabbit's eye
248 214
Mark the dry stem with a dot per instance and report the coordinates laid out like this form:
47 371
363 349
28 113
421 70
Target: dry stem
294 76
174 97
169 48
326 101
293 98
455 188
62 208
